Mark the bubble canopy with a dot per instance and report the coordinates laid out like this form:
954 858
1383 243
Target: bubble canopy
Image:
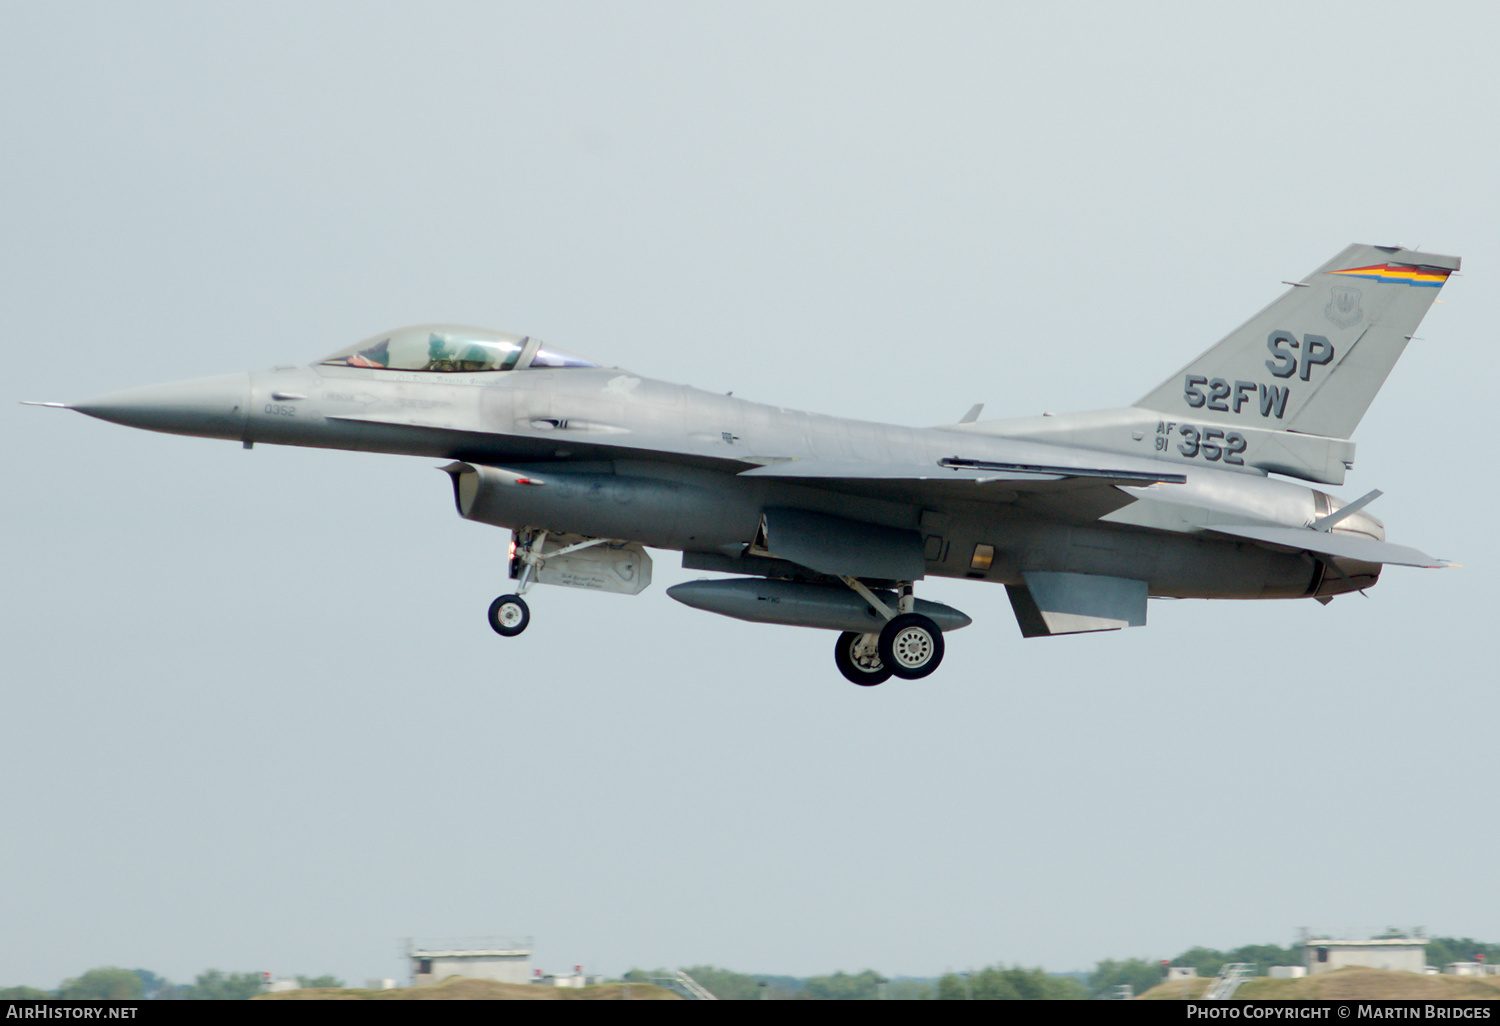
450 348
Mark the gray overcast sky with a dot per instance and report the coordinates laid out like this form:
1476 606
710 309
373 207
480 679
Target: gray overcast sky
252 715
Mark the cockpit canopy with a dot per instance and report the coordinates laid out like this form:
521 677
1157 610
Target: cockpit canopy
452 347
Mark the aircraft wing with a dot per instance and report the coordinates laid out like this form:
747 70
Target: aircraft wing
1328 543
1078 494
954 469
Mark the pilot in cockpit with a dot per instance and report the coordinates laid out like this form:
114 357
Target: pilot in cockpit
448 349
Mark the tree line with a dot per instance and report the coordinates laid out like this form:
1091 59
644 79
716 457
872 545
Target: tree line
109 983
999 982
991 983
994 983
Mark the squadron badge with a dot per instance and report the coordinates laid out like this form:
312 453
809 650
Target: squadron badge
1344 309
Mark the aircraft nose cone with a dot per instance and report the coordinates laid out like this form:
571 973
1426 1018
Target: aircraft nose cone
210 407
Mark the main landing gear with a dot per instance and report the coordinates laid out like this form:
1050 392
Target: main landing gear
858 659
909 646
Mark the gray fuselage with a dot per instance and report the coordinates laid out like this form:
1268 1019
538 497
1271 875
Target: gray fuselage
641 460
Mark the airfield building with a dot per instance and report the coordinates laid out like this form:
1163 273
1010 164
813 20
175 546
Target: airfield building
1471 969
1398 954
479 958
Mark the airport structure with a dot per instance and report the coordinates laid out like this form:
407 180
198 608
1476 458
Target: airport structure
576 978
506 960
1398 954
1471 969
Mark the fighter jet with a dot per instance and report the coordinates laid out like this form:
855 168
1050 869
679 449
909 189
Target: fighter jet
1200 489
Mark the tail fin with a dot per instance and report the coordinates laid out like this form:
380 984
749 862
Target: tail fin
1313 360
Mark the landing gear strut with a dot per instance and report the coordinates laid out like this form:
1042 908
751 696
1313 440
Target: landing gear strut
509 614
909 646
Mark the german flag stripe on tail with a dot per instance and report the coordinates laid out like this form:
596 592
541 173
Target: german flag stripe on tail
1424 277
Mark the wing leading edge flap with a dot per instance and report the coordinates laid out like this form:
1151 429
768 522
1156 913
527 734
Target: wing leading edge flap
955 469
1071 494
1331 543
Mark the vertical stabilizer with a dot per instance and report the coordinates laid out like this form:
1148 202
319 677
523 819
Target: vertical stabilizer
1312 361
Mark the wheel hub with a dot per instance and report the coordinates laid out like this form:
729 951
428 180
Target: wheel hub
912 647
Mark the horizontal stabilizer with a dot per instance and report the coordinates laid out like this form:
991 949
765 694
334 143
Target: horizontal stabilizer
1332 543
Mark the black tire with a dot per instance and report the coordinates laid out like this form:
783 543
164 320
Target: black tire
509 615
853 668
911 645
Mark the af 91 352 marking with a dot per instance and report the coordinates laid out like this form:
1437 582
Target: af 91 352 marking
1211 443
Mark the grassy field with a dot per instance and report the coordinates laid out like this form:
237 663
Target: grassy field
1345 985
456 988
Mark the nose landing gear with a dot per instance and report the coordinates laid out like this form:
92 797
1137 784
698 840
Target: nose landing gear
509 615
596 564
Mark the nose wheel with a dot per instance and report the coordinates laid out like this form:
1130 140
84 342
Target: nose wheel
509 615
